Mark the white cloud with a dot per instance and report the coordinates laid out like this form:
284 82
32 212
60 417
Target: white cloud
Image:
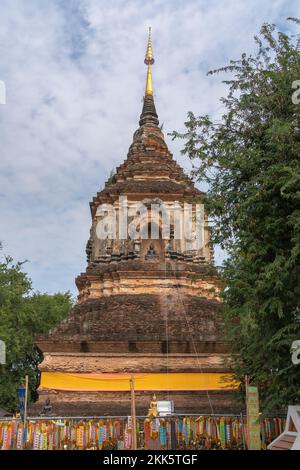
75 78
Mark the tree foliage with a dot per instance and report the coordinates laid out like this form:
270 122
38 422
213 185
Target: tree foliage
23 314
250 159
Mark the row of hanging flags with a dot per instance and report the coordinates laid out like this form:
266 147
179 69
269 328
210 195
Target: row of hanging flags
204 432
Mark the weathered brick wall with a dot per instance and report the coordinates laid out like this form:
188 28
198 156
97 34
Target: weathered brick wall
145 317
118 403
134 362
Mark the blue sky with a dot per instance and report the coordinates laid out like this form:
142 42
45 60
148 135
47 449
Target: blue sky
75 78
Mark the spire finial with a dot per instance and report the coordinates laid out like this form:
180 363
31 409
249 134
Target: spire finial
149 60
149 115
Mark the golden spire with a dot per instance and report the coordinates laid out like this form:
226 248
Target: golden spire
149 115
149 60
149 87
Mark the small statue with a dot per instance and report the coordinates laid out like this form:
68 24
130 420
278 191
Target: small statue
151 254
153 412
47 408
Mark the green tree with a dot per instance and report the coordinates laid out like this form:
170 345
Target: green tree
23 314
250 159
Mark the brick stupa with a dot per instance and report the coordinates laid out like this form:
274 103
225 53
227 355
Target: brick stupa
147 308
